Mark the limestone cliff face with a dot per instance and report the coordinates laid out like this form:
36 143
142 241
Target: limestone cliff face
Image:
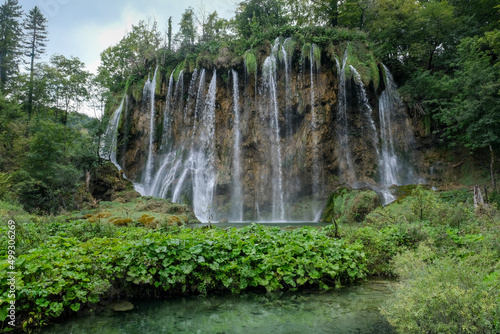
265 146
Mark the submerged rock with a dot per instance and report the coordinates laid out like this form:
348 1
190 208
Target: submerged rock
121 306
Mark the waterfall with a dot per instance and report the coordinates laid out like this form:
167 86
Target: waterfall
367 110
149 91
237 192
111 137
191 95
346 165
200 103
314 128
393 169
287 59
167 114
204 159
269 69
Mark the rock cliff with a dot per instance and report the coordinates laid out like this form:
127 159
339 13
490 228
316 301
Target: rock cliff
268 145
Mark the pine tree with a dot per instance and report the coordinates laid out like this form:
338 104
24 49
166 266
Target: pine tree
10 40
35 27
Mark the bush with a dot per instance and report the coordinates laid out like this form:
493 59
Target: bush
445 296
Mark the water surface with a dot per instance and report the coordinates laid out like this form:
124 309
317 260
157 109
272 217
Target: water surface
347 310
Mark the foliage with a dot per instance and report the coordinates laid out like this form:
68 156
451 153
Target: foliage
187 30
445 295
65 274
349 206
71 81
256 17
10 41
132 56
364 62
35 27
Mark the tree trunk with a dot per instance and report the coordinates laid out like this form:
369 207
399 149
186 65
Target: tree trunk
492 168
478 198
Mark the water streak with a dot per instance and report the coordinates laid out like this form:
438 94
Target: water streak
109 145
269 76
237 191
149 92
347 167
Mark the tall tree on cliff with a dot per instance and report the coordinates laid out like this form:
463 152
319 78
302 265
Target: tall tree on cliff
187 30
35 27
255 17
10 40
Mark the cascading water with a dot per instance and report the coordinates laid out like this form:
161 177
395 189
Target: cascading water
167 114
347 167
287 59
109 146
200 102
367 110
269 78
237 191
204 159
149 92
191 96
393 170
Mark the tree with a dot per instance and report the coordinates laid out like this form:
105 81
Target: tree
10 40
412 34
71 81
328 12
472 116
35 27
354 13
259 16
131 56
170 33
187 30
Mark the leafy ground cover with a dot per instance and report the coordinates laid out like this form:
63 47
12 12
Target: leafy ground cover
445 254
75 268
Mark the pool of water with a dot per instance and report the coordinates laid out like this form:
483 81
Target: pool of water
348 310
293 224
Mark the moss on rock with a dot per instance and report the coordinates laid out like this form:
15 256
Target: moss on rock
350 205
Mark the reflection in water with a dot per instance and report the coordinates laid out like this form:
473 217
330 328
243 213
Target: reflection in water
348 310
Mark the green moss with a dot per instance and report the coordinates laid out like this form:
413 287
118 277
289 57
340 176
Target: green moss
306 51
289 46
364 62
317 55
350 206
250 61
190 62
178 70
136 89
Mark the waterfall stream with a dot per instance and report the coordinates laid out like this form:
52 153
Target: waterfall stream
109 145
237 191
346 165
269 69
149 92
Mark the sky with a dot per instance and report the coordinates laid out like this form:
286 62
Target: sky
85 28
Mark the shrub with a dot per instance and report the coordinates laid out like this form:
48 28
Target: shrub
446 296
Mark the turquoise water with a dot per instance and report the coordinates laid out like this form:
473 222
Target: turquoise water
286 224
347 310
